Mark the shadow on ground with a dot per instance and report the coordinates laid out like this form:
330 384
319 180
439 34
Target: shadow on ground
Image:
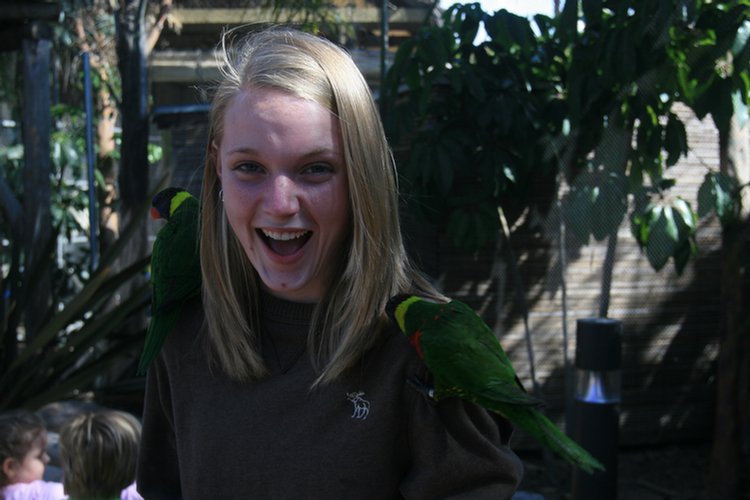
666 472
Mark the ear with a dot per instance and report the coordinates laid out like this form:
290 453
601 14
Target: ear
217 158
9 469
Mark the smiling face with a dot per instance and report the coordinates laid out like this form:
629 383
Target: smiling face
285 189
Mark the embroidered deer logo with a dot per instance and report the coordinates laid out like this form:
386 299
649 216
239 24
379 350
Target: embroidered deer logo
361 406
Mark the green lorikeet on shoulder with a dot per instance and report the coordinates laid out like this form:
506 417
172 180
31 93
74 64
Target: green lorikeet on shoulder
467 361
175 266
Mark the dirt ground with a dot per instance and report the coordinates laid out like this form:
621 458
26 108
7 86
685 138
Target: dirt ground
668 472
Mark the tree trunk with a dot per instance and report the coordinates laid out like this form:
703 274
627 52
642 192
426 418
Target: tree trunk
134 171
105 130
730 456
37 225
730 463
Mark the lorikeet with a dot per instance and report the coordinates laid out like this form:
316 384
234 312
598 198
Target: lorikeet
466 360
175 266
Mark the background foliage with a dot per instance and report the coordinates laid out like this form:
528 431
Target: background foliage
590 95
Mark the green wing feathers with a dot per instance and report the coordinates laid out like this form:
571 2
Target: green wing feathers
175 272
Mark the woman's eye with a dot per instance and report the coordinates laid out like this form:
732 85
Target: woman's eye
320 168
248 167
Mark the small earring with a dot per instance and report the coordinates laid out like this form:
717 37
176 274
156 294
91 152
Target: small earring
221 195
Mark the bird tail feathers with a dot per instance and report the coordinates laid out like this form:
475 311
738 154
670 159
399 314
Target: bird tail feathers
544 431
158 329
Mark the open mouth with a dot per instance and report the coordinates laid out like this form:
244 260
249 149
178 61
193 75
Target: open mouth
285 243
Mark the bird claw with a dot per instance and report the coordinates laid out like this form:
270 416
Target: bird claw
424 389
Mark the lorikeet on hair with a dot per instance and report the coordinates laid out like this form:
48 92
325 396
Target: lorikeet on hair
175 266
467 361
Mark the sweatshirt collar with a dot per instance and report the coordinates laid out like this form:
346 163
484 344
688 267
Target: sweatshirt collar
286 311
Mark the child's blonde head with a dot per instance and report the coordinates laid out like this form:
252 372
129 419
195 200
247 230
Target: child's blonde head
19 430
99 451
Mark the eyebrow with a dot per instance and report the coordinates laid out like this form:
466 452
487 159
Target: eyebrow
309 154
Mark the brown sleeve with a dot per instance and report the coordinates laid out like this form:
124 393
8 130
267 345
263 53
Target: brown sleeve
158 473
459 451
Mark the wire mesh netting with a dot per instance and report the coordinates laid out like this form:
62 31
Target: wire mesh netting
671 322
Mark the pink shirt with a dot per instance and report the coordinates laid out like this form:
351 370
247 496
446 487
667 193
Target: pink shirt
48 490
35 490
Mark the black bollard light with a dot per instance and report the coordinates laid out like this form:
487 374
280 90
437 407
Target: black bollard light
596 404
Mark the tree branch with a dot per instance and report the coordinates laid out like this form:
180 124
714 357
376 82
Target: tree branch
156 29
10 203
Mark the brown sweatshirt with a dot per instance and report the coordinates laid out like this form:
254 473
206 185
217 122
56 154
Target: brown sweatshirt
369 435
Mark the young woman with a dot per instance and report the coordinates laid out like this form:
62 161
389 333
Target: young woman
285 379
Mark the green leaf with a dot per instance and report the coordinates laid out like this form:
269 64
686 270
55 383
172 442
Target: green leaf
413 77
721 103
454 77
99 177
519 29
671 227
97 330
503 114
675 140
660 245
498 31
426 93
437 51
72 309
401 62
473 82
687 216
717 194
36 274
455 153
592 12
741 47
569 21
626 59
469 25
666 183
741 39
706 196
509 173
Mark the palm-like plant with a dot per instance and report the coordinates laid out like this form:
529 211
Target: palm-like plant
66 354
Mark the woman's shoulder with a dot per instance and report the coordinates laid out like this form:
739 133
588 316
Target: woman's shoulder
185 335
394 348
190 321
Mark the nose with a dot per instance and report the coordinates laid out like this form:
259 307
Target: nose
281 198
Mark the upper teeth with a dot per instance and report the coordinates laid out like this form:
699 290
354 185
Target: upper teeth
282 236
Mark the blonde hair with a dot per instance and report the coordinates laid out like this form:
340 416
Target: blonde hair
374 266
99 451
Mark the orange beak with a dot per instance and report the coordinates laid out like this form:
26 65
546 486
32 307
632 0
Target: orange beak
155 213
